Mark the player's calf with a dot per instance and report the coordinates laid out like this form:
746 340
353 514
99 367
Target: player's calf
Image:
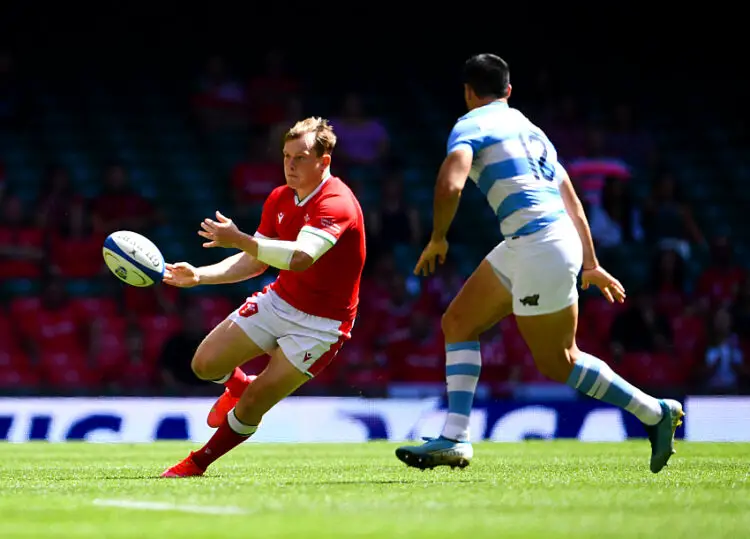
279 379
481 303
551 339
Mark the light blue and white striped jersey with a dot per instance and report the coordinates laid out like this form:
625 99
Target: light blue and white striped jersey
515 166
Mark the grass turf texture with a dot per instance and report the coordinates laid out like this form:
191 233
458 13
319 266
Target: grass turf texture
533 489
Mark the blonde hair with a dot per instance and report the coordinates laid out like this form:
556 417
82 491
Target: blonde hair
325 138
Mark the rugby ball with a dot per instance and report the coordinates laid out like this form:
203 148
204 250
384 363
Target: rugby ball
133 258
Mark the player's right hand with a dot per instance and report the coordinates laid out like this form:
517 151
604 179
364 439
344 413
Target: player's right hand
181 275
434 253
611 288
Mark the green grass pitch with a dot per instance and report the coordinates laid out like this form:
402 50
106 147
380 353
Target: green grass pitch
532 489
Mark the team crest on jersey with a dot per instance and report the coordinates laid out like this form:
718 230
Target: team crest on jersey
281 217
307 218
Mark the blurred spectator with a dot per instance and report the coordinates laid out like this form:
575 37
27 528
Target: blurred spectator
741 311
21 242
379 271
135 374
3 183
390 313
440 289
293 112
255 178
13 97
55 197
178 352
720 281
269 93
219 99
76 249
362 140
119 207
725 368
589 172
394 222
154 300
501 372
616 220
361 368
416 353
640 328
564 127
57 337
668 219
668 283
624 135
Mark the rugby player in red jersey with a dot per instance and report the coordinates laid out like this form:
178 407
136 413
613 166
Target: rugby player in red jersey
312 230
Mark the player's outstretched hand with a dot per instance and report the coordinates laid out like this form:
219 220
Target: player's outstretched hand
181 275
600 278
220 233
434 253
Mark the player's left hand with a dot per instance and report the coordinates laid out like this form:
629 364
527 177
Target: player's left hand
220 233
611 288
434 252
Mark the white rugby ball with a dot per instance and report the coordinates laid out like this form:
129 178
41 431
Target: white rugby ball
133 258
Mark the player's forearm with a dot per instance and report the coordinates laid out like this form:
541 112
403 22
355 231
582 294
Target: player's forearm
577 214
450 182
236 268
444 211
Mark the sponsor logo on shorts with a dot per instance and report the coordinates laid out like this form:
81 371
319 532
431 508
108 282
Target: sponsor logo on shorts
308 358
530 301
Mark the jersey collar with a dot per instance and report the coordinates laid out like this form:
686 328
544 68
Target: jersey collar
302 202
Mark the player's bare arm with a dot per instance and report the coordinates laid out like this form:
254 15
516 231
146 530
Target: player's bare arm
450 183
593 273
295 255
234 269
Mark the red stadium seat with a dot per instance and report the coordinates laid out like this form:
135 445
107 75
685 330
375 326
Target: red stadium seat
156 330
214 309
92 307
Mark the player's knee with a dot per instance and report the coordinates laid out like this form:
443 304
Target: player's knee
202 365
555 364
456 328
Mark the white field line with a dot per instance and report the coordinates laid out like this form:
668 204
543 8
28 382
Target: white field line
163 506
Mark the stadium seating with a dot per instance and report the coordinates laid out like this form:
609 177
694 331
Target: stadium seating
149 128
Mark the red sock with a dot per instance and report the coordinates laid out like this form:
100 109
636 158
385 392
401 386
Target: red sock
237 382
223 440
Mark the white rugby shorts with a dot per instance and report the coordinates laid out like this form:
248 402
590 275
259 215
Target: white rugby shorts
309 342
541 269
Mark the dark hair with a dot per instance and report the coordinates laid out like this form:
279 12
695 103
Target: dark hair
488 75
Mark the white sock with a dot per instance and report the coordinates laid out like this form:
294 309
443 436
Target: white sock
238 426
463 363
596 379
223 379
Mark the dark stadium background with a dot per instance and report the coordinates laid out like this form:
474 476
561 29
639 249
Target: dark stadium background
119 85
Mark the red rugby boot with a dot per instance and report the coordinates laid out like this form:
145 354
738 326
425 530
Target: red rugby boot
223 404
184 468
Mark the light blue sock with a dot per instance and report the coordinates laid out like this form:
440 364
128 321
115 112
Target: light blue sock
596 379
463 363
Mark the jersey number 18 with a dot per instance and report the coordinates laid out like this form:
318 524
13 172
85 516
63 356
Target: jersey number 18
536 152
